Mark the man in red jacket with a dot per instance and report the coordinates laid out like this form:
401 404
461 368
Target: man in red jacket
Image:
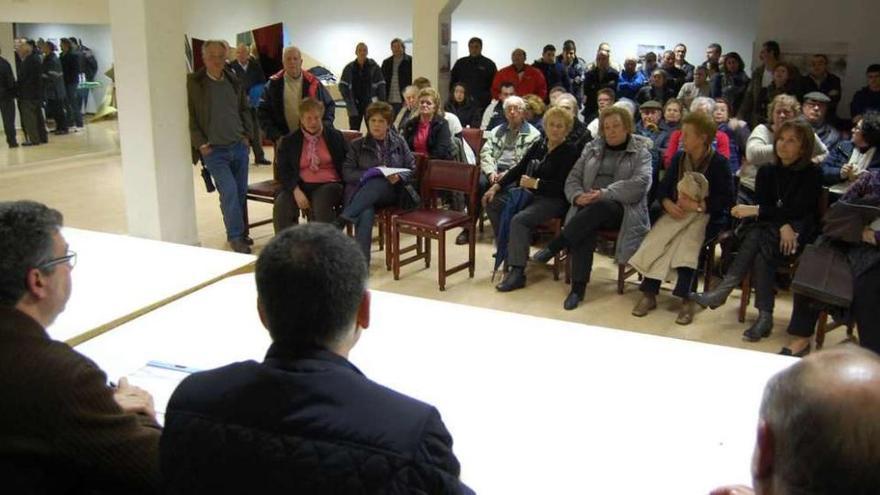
526 79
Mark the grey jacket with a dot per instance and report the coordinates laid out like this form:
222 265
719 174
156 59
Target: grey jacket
632 179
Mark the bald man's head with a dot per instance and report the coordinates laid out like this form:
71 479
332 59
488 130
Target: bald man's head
820 425
291 60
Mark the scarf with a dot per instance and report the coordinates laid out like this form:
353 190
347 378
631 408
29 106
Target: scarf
312 149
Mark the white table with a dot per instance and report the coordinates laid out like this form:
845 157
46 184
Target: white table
118 278
534 405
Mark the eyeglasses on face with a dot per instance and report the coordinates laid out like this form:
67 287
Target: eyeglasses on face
69 258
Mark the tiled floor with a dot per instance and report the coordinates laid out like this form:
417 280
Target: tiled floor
80 174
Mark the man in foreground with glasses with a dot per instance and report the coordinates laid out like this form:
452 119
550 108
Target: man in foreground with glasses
62 428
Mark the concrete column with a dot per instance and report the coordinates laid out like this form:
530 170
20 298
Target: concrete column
150 70
432 36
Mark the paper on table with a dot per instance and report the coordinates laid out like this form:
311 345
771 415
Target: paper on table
160 380
386 171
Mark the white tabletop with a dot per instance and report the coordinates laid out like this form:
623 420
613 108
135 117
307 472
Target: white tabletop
119 277
534 405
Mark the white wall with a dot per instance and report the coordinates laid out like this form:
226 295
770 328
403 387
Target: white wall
850 21
95 36
58 11
329 34
223 19
623 23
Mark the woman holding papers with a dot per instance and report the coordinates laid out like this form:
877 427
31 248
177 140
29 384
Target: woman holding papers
429 133
376 168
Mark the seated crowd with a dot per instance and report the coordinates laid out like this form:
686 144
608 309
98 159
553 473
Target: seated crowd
666 159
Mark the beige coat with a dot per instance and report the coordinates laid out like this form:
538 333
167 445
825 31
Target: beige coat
675 243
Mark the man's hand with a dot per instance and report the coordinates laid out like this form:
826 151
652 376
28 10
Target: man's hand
302 201
494 177
787 240
133 399
528 182
673 210
869 236
394 179
205 149
490 194
733 490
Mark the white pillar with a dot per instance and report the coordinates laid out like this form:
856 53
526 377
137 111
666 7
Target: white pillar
148 43
432 36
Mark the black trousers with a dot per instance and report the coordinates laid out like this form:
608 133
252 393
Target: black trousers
354 121
32 120
7 112
323 198
863 310
55 109
581 232
257 141
525 221
752 257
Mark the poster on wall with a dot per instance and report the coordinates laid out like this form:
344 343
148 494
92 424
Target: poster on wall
642 50
266 44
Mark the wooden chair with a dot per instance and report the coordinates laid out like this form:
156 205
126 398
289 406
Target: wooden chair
474 138
430 222
265 191
384 216
553 227
822 329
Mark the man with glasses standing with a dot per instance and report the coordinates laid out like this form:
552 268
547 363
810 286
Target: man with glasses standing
220 130
62 428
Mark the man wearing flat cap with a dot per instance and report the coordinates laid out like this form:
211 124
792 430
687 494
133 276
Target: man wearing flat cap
815 110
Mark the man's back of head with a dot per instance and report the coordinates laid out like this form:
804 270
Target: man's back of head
310 282
821 425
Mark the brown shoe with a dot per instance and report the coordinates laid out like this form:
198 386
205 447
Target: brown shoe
686 313
647 303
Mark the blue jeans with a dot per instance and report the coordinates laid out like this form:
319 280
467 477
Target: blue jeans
361 211
229 168
74 116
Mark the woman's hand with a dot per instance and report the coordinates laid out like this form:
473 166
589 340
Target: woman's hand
588 197
744 211
490 194
394 179
846 171
302 201
688 204
869 236
673 210
787 240
528 182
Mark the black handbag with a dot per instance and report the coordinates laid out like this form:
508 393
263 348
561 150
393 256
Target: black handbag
824 274
845 221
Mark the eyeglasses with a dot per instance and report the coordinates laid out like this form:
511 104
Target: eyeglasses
69 258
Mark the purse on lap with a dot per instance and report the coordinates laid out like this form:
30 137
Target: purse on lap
824 274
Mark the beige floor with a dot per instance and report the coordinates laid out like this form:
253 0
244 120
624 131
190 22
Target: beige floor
80 174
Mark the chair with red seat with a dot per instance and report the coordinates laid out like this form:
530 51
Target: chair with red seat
431 222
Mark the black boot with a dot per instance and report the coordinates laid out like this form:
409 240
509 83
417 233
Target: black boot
514 279
574 298
761 328
718 296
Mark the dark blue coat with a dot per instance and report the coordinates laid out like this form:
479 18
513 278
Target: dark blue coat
307 422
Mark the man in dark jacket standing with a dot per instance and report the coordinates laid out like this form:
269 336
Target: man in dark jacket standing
279 105
62 429
250 75
361 83
30 95
305 420
220 129
599 77
476 72
397 70
7 102
867 98
53 83
72 66
554 72
818 79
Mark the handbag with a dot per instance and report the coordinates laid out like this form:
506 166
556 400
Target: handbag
824 274
845 221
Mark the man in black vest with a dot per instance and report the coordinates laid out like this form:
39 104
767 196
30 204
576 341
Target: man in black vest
250 75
